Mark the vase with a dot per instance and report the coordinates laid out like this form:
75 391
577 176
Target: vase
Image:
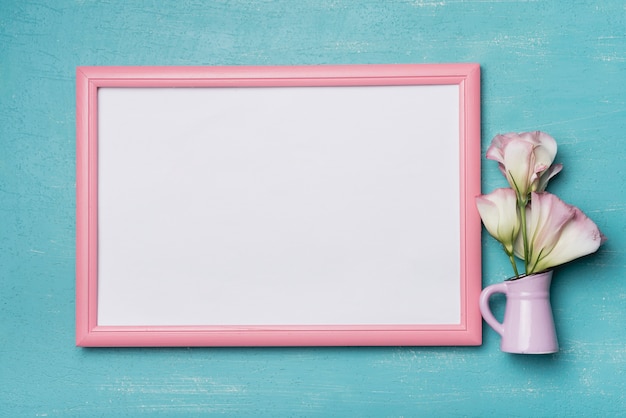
528 325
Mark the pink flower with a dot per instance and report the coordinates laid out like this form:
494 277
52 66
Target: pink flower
498 210
547 175
556 232
525 160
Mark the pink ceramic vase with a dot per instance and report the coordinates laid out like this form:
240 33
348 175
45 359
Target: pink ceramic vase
528 325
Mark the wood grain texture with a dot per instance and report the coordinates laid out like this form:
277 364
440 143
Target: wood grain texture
555 66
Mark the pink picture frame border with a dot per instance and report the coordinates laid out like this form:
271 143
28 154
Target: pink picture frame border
90 79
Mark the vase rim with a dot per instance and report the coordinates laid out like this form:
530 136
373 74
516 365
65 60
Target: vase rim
524 276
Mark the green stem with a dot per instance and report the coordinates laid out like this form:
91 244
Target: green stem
522 206
522 201
512 260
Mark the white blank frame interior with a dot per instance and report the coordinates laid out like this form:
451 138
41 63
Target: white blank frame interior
278 206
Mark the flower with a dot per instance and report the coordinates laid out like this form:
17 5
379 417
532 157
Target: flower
523 158
499 212
547 175
557 233
529 222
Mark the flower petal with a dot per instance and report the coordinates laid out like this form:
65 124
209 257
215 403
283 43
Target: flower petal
523 158
579 237
546 218
519 162
546 176
557 233
496 149
545 148
498 211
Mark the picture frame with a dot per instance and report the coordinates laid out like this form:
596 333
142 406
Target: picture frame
328 205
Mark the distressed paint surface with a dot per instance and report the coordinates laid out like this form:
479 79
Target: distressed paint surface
555 66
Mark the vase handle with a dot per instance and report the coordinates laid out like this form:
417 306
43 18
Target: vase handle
484 306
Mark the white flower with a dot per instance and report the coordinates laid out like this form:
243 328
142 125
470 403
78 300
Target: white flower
523 158
498 210
556 233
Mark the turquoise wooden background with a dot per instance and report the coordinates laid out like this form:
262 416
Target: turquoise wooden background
557 66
